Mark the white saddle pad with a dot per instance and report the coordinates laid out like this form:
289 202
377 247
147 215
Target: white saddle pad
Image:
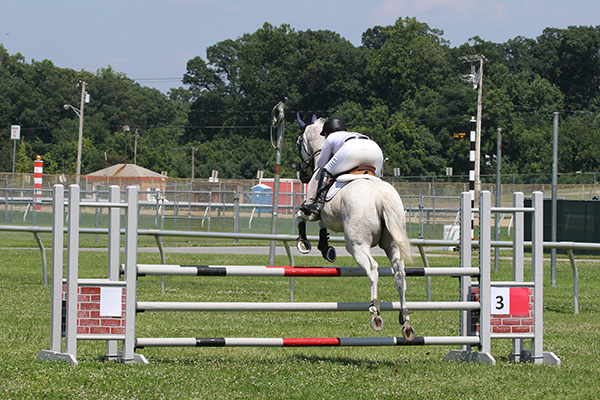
343 180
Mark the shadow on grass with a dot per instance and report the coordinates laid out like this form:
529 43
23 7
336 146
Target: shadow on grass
559 310
361 363
358 362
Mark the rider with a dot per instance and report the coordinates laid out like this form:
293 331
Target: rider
342 152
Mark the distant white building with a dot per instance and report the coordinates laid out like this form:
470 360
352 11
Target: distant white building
125 175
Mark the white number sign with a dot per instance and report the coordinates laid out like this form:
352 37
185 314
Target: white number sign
510 301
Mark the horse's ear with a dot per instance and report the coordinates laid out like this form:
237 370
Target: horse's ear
314 118
300 122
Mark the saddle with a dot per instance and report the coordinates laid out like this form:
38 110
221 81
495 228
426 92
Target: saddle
341 180
362 170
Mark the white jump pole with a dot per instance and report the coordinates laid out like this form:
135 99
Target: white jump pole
305 342
260 270
303 306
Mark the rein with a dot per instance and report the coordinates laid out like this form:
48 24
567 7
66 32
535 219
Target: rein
308 147
307 165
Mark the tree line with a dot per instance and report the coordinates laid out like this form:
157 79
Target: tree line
403 86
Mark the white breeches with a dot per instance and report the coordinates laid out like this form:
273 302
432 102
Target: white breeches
353 153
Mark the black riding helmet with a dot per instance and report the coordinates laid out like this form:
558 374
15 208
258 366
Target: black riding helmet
333 124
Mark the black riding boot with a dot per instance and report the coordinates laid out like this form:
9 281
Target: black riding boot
317 204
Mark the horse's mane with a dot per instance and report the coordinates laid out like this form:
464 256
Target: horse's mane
317 123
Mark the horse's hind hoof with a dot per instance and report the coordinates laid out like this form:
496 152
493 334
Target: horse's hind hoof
303 246
409 333
376 322
402 319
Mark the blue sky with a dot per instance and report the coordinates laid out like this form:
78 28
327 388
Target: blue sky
151 40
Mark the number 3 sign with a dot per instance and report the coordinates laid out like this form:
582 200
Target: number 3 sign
510 301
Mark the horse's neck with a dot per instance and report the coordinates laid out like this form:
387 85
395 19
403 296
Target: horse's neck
313 137
316 142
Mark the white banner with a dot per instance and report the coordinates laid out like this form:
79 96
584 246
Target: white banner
111 301
15 132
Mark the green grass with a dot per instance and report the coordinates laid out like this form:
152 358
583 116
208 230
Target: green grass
289 373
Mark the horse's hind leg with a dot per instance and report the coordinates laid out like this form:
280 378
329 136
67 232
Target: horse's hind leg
362 255
397 263
404 319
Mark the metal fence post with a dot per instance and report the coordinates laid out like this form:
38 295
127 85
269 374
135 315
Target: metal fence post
58 244
72 270
236 213
114 254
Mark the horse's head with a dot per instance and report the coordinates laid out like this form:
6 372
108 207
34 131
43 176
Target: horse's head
310 139
310 142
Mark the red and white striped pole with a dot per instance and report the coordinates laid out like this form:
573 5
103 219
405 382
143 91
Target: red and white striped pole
38 169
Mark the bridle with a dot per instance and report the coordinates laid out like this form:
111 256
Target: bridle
307 157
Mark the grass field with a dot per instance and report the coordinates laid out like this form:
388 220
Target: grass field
290 373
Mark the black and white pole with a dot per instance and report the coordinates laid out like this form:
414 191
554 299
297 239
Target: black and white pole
472 152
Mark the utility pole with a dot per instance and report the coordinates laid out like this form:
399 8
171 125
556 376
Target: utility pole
476 78
80 136
85 98
135 147
126 130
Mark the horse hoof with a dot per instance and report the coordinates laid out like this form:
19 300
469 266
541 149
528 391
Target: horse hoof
376 322
330 255
303 246
402 319
409 333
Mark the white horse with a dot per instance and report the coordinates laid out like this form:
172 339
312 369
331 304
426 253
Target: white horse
369 212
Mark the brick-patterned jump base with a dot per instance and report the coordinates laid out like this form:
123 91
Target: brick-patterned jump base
89 320
504 323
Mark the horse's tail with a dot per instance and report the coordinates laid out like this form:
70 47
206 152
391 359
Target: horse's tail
392 210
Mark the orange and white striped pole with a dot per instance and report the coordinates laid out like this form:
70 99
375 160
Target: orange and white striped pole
38 168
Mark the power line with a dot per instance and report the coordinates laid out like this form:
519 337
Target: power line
158 79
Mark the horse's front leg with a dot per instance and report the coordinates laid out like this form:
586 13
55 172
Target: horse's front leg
303 245
327 251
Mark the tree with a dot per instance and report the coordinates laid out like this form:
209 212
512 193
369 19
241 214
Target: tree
403 58
570 59
24 161
402 87
244 78
329 71
579 148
